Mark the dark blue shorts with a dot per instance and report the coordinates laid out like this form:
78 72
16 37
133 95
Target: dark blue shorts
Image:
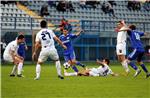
21 54
136 55
70 56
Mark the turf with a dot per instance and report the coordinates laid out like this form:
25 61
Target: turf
49 86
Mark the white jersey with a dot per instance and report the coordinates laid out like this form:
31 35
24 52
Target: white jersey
121 37
45 37
101 71
12 46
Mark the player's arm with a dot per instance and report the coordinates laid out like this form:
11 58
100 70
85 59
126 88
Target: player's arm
13 54
36 47
78 32
99 62
26 47
60 42
114 74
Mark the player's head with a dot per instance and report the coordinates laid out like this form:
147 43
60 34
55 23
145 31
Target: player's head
65 31
107 61
20 39
132 27
120 24
43 24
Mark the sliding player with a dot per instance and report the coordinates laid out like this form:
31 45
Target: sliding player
10 55
45 38
69 54
102 70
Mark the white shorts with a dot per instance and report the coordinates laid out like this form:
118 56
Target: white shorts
48 52
93 72
8 58
121 49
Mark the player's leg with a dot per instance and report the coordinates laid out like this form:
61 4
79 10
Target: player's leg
54 56
84 72
73 59
8 58
121 52
68 59
139 60
70 73
42 57
19 62
132 56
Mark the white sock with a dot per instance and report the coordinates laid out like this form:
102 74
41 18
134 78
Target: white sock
58 67
20 68
38 70
125 65
70 74
14 70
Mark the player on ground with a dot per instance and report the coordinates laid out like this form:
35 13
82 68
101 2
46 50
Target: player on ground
102 70
69 54
10 55
121 45
45 38
138 50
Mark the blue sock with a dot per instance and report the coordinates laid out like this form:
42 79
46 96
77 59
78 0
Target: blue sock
133 65
75 68
79 64
144 68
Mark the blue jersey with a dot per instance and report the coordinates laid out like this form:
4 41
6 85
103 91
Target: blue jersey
135 39
67 40
21 49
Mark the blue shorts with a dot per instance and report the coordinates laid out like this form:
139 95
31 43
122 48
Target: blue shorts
136 55
70 56
21 54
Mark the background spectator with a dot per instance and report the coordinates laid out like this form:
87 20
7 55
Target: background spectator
52 3
147 5
82 3
61 6
70 6
44 10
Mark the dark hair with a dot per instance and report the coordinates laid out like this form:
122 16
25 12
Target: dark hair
120 22
132 27
20 37
107 60
43 24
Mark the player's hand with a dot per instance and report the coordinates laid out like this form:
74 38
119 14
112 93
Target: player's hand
33 56
64 47
123 22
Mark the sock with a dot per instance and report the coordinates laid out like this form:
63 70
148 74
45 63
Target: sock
70 74
58 67
144 68
20 68
38 70
133 65
125 65
75 68
14 70
79 64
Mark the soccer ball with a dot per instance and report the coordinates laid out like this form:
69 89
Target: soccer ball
66 65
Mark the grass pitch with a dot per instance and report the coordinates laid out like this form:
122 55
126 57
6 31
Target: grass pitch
49 86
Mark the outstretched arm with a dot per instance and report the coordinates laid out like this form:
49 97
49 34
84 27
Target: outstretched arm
60 42
100 62
78 32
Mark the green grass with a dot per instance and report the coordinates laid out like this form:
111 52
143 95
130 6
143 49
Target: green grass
49 86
